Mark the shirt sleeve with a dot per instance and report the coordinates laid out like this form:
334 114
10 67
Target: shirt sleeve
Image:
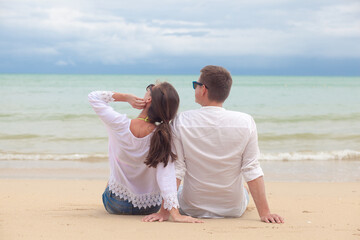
177 148
99 100
250 166
167 183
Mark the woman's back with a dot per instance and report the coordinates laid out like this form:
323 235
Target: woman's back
130 178
142 171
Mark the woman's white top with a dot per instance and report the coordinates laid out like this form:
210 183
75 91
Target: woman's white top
130 178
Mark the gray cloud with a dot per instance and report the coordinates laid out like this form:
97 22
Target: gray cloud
187 33
120 32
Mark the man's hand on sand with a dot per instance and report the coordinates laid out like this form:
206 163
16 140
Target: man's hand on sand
272 218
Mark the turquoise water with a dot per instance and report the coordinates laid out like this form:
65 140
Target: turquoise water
47 117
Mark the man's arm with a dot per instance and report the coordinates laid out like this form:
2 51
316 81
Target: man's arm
178 182
257 189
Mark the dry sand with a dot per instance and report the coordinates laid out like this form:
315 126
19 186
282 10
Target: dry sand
72 209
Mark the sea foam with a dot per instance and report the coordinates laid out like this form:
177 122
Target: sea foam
350 155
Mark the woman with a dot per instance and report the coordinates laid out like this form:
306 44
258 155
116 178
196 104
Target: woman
142 173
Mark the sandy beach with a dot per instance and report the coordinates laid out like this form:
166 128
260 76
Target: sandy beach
72 209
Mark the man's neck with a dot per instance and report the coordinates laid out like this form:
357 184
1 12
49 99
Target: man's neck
212 104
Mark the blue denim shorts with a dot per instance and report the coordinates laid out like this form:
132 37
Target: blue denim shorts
116 205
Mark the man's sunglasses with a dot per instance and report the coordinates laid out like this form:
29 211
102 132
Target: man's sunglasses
150 87
198 83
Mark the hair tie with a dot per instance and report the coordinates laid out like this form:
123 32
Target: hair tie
159 123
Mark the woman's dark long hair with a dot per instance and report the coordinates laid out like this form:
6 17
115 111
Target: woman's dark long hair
163 108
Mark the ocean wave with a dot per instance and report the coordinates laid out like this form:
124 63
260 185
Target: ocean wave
19 136
308 118
350 155
262 137
71 116
77 139
312 156
48 117
49 138
54 157
258 119
306 136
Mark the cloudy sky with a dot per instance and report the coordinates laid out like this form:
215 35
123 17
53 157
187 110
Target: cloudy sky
257 37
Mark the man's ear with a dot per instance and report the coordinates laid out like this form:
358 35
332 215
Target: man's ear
203 90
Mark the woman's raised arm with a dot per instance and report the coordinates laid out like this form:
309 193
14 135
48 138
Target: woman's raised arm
133 100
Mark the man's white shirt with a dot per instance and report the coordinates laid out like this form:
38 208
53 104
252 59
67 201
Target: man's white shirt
217 150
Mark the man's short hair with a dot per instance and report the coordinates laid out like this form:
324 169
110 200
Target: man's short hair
218 80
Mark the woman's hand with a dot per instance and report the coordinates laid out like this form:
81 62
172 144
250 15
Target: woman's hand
177 217
163 215
160 216
186 219
135 102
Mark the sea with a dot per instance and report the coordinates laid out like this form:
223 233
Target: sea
307 126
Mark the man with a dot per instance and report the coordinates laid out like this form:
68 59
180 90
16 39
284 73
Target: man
217 150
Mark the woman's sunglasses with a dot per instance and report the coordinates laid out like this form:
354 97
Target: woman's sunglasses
150 87
198 83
